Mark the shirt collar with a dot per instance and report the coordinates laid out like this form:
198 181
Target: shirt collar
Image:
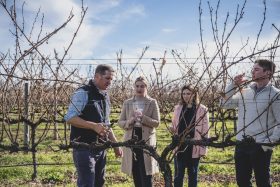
102 92
254 87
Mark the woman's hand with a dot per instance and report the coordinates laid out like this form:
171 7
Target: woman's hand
138 114
118 152
171 129
131 120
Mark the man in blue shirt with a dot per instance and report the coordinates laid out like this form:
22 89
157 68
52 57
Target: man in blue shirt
88 114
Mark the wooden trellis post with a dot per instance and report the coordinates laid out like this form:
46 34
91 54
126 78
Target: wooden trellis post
26 127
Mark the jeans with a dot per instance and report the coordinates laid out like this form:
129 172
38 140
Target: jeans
138 166
249 158
90 167
192 167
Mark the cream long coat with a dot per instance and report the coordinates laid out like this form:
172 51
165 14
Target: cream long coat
150 121
201 127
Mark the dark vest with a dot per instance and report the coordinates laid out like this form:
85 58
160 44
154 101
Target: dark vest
91 112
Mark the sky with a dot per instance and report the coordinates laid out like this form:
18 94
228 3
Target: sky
130 25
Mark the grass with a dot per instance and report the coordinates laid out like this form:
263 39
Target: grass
212 172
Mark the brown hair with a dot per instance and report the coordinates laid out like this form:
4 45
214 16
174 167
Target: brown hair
102 68
193 90
267 65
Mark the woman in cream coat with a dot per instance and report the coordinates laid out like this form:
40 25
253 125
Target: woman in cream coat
140 117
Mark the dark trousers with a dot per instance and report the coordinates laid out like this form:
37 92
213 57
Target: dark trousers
249 158
192 168
138 165
90 167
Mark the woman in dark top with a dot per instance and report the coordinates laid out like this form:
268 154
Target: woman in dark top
190 119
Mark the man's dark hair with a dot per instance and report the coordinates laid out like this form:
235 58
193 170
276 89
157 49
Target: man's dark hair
266 65
102 68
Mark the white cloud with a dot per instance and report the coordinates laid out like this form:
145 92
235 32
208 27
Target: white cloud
95 28
131 12
135 10
191 51
168 30
57 12
97 7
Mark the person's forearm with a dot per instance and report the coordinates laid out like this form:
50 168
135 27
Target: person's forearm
230 90
112 136
150 122
81 123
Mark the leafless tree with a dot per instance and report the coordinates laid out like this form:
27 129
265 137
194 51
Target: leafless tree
51 82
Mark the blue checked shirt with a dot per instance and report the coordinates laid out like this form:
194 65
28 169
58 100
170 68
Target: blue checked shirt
78 103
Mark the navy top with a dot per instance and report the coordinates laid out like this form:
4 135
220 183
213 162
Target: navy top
187 119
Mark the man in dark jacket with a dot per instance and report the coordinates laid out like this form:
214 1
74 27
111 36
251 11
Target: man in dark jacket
88 114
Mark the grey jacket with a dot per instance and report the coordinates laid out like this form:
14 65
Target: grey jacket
258 112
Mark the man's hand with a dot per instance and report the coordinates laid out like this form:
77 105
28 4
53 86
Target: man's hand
101 129
239 79
118 152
